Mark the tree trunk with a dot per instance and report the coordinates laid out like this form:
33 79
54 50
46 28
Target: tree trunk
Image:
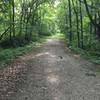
81 18
70 21
13 17
93 21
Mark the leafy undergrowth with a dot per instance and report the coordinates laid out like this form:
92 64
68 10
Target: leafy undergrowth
8 55
90 55
14 75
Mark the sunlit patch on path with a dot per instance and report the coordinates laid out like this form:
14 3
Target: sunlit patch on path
53 79
56 75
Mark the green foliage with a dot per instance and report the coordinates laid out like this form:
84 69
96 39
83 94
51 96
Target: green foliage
8 55
25 20
58 36
23 24
76 22
90 55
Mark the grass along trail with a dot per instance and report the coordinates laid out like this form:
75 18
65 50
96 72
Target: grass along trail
50 72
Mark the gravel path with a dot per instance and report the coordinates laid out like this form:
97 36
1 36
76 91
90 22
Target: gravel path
56 74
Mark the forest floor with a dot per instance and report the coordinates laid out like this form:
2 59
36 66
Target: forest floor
50 72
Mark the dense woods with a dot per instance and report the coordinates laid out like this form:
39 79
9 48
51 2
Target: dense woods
23 21
80 18
80 21
49 49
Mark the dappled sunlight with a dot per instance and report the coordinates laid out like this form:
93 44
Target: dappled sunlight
55 98
29 57
56 3
41 54
44 53
50 41
53 79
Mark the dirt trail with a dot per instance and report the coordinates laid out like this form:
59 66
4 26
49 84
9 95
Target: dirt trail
56 74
